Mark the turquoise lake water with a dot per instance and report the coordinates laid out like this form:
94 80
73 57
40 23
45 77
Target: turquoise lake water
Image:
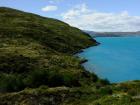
116 58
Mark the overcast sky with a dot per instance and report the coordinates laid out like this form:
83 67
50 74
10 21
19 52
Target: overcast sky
94 15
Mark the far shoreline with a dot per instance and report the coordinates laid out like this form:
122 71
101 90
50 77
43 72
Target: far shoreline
115 36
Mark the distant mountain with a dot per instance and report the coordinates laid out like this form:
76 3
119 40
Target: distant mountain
112 34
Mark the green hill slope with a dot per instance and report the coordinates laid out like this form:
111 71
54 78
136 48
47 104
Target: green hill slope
37 51
48 32
37 66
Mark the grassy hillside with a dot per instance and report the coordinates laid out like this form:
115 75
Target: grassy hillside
37 66
32 46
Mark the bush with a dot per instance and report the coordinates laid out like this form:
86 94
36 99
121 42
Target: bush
15 63
55 79
132 92
36 78
104 82
94 77
71 80
11 82
105 90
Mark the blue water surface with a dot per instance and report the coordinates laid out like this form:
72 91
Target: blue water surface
116 58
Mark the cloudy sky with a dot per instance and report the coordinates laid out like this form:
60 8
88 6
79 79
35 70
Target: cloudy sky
94 15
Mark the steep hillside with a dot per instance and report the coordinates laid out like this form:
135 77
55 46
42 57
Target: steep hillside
37 51
37 66
48 32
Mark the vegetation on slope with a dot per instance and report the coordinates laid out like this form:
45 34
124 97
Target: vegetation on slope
37 65
37 51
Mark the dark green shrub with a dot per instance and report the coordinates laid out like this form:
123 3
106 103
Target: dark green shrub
71 80
132 92
105 91
124 87
55 79
94 77
36 78
15 63
104 81
11 82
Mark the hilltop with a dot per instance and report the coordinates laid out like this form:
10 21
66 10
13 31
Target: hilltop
38 66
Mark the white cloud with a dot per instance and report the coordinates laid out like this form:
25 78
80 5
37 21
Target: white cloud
51 1
49 8
82 17
54 1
